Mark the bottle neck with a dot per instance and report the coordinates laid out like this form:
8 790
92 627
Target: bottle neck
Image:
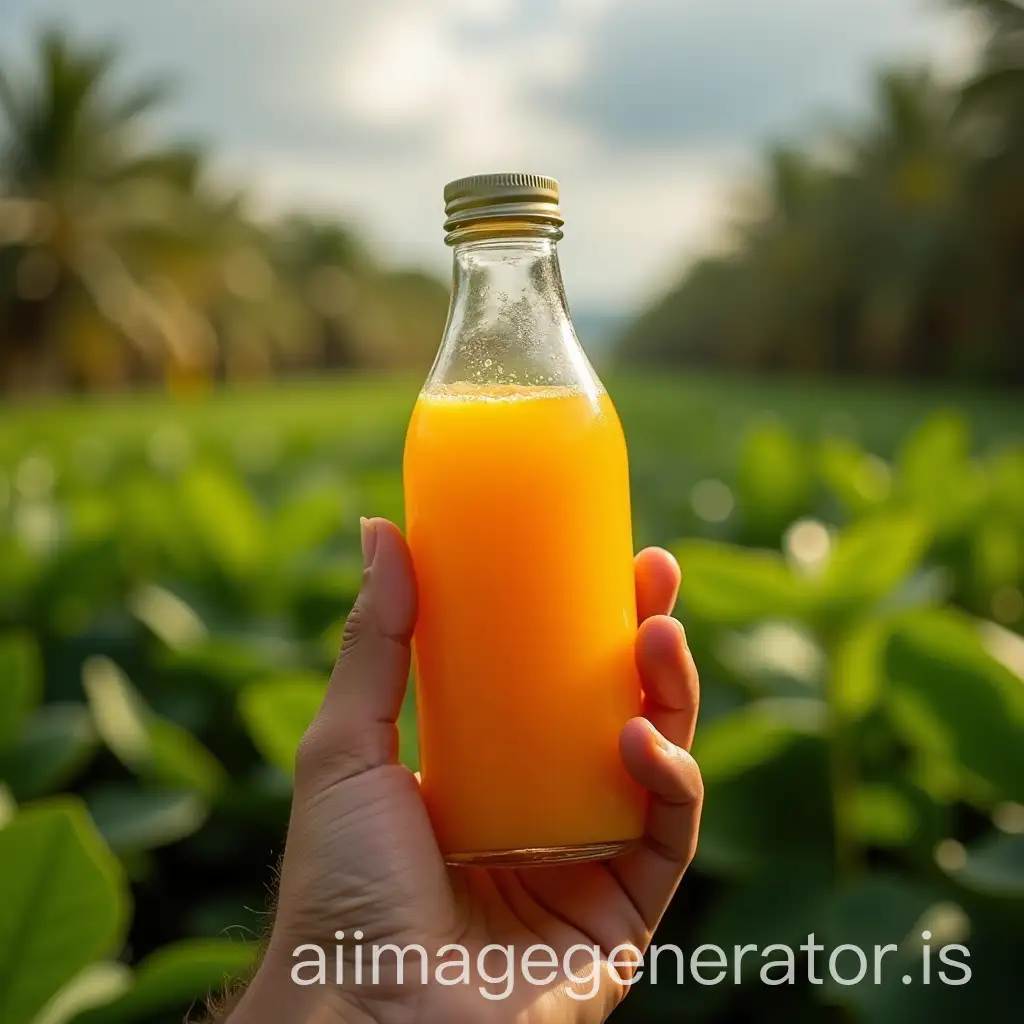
504 283
509 320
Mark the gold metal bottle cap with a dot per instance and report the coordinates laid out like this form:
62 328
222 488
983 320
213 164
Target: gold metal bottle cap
489 205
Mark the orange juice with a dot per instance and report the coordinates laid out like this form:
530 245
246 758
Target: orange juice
517 513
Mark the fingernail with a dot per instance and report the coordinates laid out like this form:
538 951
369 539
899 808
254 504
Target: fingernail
368 540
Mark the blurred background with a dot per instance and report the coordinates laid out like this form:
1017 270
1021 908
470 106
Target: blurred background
795 251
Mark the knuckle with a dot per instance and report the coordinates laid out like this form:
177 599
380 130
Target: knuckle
686 776
313 751
330 755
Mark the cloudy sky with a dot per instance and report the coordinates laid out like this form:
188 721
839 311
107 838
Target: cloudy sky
648 111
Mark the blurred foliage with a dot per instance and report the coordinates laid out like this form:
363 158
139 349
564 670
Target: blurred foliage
120 262
173 580
893 249
173 577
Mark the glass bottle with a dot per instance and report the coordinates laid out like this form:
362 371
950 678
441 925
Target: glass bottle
518 519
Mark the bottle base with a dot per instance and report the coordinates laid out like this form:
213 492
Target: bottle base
542 855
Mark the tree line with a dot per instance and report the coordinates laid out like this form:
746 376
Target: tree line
895 249
121 263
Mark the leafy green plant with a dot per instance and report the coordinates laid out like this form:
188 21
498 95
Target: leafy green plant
65 901
163 651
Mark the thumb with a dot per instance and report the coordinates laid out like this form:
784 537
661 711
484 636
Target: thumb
355 729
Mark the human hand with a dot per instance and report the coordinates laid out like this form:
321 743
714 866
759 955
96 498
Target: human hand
361 855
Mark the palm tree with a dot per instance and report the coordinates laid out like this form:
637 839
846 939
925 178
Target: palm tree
896 250
901 215
992 109
116 262
365 315
77 192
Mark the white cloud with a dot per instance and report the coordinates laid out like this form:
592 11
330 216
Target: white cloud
398 69
412 66
632 221
485 12
366 110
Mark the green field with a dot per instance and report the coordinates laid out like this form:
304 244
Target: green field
877 412
681 428
173 577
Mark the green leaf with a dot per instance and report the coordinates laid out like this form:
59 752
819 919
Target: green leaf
56 744
277 713
742 740
231 661
781 905
871 912
785 906
92 516
175 976
874 910
118 709
752 823
132 819
96 985
935 475
882 909
82 575
325 592
20 683
731 586
308 519
226 518
970 708
20 569
773 479
995 866
381 490
65 904
153 526
881 815
868 561
177 758
1006 473
996 556
858 667
167 616
8 805
938 446
860 481
155 748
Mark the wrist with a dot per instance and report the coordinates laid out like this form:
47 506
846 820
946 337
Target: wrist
273 997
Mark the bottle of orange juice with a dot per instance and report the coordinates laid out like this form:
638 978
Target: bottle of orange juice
517 512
